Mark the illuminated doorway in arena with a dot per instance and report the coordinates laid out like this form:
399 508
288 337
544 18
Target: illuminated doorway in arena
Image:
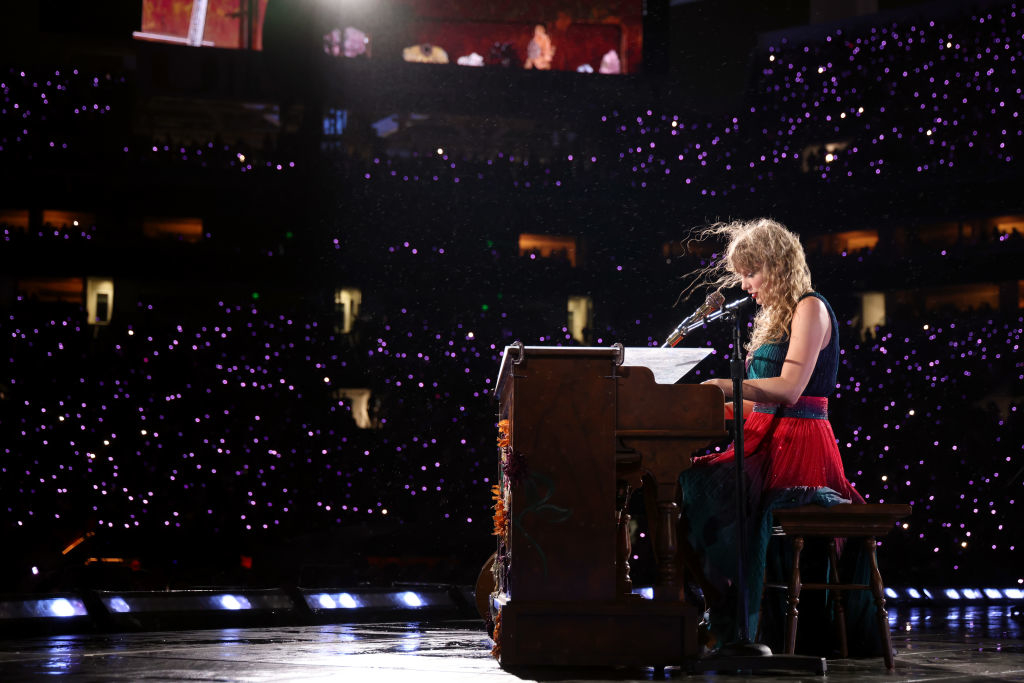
579 318
97 291
358 401
872 312
99 300
346 308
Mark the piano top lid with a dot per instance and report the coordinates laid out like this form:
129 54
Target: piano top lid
516 352
667 365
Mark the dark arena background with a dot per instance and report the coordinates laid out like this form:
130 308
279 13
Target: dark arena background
259 261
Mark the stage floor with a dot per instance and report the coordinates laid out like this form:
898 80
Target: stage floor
938 644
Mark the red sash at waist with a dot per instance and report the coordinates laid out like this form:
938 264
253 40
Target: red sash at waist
809 407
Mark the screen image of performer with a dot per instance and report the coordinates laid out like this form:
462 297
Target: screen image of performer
540 51
791 457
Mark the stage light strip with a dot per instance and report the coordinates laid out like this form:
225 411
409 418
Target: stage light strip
196 601
420 598
962 595
329 601
924 595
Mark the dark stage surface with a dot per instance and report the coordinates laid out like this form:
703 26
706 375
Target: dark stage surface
934 644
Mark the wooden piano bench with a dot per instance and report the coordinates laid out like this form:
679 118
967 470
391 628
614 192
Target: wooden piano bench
867 521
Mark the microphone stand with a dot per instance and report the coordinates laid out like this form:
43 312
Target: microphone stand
745 655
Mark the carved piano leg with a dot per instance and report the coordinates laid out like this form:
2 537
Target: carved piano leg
667 586
629 477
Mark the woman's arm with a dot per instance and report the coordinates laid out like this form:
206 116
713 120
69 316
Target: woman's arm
810 332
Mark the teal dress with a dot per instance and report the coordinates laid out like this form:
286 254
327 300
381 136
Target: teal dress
790 459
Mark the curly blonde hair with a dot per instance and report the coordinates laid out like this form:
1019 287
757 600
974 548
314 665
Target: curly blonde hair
768 246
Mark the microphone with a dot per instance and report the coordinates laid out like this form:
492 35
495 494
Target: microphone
733 306
714 302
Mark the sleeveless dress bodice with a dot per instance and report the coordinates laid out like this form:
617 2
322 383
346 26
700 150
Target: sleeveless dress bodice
767 359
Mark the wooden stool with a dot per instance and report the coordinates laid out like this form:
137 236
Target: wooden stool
839 521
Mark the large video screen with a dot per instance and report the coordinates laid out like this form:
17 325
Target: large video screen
230 24
605 36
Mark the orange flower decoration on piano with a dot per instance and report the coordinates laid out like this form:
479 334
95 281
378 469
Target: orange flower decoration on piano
503 439
496 636
500 515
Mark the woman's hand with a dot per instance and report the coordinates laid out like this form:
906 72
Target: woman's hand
722 383
730 407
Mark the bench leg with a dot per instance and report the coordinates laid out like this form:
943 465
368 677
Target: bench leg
760 608
878 589
794 596
836 596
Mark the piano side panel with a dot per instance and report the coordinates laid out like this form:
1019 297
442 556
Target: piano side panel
644 404
562 544
665 424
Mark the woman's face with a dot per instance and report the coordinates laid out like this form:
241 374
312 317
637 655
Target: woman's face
752 283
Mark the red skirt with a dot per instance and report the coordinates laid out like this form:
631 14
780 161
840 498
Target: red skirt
787 446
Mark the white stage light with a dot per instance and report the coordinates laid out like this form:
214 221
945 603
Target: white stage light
411 599
118 604
233 602
61 608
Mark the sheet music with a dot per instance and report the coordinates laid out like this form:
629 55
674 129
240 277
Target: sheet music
668 365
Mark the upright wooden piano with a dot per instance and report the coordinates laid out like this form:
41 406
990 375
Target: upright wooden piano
577 427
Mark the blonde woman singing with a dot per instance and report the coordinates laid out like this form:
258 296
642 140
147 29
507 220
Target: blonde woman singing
791 457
